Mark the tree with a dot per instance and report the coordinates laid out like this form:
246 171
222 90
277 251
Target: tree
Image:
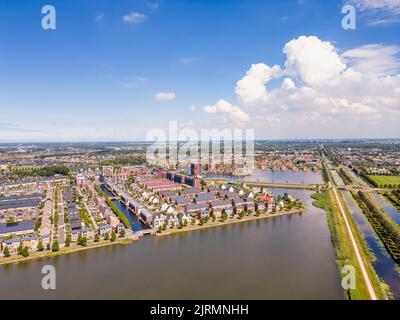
106 236
10 220
96 238
6 252
40 246
20 248
68 240
193 220
25 252
113 236
55 247
122 233
82 241
48 246
224 216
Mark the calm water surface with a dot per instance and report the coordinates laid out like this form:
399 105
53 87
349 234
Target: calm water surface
274 176
288 257
386 206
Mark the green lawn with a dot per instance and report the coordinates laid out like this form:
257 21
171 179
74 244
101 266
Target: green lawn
385 181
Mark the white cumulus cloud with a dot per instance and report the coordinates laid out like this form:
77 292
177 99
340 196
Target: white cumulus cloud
164 96
321 90
234 113
374 58
312 60
378 12
134 17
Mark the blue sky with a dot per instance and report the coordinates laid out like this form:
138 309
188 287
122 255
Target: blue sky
96 76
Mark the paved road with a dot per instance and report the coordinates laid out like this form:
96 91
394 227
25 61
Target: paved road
356 250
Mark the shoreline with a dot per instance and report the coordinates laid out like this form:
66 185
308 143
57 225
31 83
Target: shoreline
104 243
63 251
227 222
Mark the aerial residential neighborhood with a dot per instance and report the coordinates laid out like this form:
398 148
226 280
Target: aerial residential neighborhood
199 157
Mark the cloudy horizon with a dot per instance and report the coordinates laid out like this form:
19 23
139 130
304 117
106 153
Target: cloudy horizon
112 73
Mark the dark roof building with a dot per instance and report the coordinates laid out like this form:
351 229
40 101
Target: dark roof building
22 227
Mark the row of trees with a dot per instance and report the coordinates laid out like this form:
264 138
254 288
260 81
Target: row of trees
125 161
391 228
345 177
43 172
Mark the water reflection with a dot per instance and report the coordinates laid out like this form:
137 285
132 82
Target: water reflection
274 176
287 257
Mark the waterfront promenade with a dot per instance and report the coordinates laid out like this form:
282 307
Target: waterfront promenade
218 223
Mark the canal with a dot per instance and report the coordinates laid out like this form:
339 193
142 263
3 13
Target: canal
384 265
286 257
387 207
136 225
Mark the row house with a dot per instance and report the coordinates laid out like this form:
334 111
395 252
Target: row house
190 192
204 197
158 220
87 232
105 229
31 242
183 217
171 220
194 208
146 216
182 201
11 244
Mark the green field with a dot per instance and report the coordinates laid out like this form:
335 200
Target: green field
385 181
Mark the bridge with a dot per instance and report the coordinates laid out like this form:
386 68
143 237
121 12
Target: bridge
145 232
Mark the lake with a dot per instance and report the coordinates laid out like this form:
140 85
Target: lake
286 257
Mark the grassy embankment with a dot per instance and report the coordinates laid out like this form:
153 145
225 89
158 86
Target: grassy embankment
383 181
345 254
